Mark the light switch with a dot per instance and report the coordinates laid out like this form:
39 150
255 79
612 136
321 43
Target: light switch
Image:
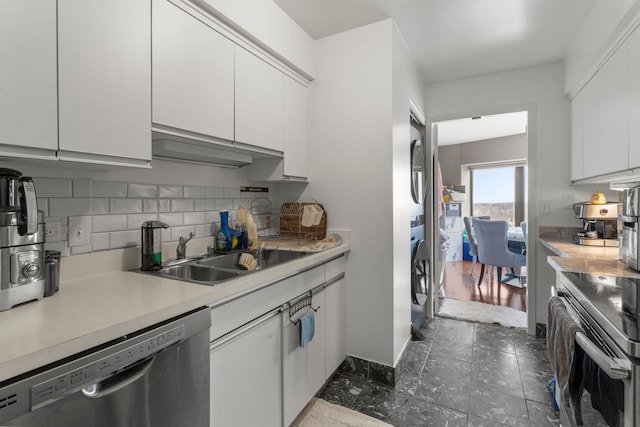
79 230
544 207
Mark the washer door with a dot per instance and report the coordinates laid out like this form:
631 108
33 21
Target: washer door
420 279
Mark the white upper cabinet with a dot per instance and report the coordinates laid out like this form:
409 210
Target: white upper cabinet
590 128
193 74
104 77
613 116
28 78
577 137
633 54
295 128
259 106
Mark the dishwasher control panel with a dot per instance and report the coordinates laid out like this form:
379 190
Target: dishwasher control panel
97 370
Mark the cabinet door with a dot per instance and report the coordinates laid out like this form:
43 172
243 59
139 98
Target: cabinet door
303 368
336 325
295 128
577 137
613 114
28 77
246 375
192 74
104 63
633 52
259 106
590 128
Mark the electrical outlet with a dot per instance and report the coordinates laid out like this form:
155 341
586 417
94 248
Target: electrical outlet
544 207
52 229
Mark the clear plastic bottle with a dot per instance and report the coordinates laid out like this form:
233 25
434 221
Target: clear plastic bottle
224 235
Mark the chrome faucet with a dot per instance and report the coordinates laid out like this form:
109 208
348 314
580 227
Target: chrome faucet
181 250
258 256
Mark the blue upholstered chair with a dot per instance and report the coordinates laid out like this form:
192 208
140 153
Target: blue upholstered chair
491 237
473 246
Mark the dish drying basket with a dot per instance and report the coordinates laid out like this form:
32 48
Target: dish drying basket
289 223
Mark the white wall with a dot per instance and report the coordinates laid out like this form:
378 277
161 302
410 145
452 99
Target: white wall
594 39
268 24
407 87
359 151
453 157
539 90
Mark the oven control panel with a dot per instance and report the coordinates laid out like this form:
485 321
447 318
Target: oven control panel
89 374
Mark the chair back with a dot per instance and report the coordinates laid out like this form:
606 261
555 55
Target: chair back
523 226
473 245
491 237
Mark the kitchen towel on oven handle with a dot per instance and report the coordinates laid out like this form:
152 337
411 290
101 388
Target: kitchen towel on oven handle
561 331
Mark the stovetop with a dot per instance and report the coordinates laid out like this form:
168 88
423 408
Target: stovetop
615 300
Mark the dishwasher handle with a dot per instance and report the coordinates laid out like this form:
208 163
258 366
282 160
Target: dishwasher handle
118 381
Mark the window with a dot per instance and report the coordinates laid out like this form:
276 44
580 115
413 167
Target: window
499 192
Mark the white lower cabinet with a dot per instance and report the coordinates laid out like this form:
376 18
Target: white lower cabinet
246 375
303 369
259 373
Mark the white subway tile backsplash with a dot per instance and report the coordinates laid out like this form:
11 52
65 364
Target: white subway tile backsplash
182 205
223 204
199 205
183 231
171 219
101 223
191 218
166 234
212 216
82 249
232 192
136 220
193 192
109 189
82 188
149 205
164 205
100 241
123 239
53 187
214 192
100 206
68 207
209 205
145 191
170 191
203 230
58 246
119 206
43 205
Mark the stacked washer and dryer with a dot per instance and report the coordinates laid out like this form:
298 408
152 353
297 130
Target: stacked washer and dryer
419 247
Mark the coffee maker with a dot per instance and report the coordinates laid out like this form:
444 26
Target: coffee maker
21 241
599 223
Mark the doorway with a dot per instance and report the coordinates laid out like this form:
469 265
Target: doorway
483 164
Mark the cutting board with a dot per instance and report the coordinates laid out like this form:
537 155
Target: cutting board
290 226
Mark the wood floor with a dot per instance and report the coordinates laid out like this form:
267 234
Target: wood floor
460 285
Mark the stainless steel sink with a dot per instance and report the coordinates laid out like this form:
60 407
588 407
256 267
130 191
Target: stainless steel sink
270 258
197 273
214 270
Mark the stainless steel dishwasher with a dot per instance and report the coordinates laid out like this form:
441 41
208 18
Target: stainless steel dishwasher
158 376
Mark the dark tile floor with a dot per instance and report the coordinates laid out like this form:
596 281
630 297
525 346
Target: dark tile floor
462 374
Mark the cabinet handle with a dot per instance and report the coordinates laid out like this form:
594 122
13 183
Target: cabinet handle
242 329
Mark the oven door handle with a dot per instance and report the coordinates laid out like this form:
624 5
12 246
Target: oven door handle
617 369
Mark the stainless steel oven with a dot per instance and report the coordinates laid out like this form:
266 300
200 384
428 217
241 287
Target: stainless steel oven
158 376
607 308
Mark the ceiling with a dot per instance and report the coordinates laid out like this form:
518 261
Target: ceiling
455 39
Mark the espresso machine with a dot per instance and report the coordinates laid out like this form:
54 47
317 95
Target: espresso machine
21 241
599 223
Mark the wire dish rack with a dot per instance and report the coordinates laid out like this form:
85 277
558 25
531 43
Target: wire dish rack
286 223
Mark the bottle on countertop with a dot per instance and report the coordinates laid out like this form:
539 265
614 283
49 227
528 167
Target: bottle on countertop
224 235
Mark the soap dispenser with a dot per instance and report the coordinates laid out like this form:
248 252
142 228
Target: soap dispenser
152 245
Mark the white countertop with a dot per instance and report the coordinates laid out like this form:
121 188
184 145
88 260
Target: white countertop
90 311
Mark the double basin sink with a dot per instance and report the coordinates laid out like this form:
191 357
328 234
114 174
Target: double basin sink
212 270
